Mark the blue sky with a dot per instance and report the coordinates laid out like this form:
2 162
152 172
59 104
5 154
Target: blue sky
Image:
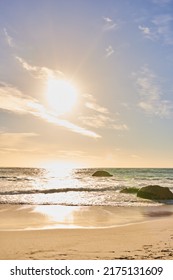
116 55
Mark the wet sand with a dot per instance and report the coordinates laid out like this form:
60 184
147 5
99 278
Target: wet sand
86 233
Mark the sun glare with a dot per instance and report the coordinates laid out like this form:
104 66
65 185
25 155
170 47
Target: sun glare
61 167
61 95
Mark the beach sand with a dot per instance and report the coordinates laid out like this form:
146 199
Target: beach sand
29 233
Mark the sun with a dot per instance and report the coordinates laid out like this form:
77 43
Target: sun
61 95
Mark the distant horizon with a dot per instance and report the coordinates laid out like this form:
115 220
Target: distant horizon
85 167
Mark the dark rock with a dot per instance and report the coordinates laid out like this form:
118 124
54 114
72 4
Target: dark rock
158 213
102 173
155 192
129 190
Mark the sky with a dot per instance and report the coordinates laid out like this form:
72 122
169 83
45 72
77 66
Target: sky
86 83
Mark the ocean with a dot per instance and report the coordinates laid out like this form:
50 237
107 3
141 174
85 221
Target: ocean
77 187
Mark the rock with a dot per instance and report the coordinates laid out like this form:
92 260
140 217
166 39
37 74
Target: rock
155 192
129 190
102 173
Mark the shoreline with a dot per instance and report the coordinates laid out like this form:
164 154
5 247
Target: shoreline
41 217
151 238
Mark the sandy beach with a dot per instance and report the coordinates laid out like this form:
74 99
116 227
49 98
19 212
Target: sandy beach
147 238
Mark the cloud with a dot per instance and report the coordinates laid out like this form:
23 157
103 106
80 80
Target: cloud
39 72
92 104
109 51
96 107
160 29
107 20
109 24
102 121
95 121
163 28
150 93
13 100
149 32
8 140
17 135
8 38
120 127
146 31
37 109
103 117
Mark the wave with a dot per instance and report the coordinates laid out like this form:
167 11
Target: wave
60 190
15 178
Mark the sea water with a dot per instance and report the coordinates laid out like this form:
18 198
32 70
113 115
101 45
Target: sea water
77 187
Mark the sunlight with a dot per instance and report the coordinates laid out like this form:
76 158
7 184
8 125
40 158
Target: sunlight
60 168
59 216
61 95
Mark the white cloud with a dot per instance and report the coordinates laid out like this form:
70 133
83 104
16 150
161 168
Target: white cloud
107 19
37 109
92 104
163 28
13 100
109 51
145 30
95 121
103 117
120 127
160 29
102 121
151 100
109 24
39 72
9 39
148 32
96 107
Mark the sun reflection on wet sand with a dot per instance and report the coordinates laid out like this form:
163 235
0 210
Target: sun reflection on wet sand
59 215
17 217
90 217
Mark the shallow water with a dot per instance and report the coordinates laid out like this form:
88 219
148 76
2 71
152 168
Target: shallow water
77 187
18 217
